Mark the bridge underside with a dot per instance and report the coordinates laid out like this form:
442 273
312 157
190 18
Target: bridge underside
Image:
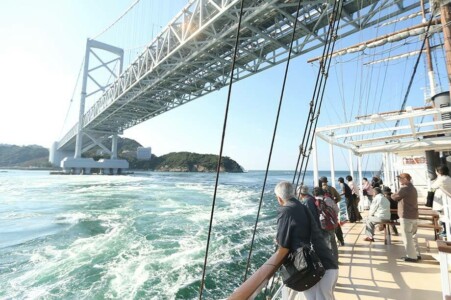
193 55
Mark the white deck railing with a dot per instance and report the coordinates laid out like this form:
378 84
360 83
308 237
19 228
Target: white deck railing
444 248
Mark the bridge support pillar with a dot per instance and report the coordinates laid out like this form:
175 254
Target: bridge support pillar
114 146
92 45
86 165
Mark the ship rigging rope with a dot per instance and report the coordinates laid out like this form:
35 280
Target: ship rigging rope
436 60
331 36
221 148
318 94
426 36
273 136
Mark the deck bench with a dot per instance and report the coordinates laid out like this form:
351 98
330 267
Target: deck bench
436 228
387 230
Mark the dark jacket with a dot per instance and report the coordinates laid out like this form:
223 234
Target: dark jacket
295 225
393 205
310 203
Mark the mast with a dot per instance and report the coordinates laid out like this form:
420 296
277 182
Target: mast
430 68
445 13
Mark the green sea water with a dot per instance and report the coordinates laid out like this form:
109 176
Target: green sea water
141 236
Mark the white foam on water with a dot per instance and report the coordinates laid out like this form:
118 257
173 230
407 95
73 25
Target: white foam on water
121 261
127 272
71 218
206 189
18 215
52 267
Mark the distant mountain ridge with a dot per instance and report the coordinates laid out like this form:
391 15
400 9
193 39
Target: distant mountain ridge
34 156
24 156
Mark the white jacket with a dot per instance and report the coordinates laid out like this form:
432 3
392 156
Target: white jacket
443 182
380 207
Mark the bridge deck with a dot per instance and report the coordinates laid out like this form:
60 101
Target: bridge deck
193 55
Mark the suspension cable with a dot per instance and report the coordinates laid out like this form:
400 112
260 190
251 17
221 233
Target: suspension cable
221 148
117 20
318 94
273 137
72 97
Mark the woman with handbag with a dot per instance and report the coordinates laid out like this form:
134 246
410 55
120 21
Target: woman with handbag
296 228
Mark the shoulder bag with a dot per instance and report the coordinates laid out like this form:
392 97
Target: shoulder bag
302 269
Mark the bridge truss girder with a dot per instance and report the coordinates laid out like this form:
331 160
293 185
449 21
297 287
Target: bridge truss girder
192 56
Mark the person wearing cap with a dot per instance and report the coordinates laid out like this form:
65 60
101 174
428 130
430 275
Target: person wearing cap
309 201
407 198
329 235
335 195
379 212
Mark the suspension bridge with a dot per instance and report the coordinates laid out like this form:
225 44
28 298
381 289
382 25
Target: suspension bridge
193 56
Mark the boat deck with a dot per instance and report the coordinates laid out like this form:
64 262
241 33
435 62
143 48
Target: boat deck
373 270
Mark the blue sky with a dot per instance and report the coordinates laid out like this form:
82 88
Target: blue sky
43 43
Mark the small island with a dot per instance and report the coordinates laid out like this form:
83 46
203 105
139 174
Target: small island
35 157
192 162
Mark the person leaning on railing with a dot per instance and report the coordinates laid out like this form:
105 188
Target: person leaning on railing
295 226
335 195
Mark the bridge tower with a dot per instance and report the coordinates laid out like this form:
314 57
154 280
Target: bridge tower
77 164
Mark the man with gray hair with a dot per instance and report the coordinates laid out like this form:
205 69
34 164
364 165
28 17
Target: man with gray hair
295 226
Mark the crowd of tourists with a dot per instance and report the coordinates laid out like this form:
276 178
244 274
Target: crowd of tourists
312 218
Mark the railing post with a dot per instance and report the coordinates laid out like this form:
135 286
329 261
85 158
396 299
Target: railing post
359 166
351 165
332 164
444 249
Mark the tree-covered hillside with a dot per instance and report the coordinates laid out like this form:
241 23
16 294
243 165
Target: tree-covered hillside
193 162
37 157
23 156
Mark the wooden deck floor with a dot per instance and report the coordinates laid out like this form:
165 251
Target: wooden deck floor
372 270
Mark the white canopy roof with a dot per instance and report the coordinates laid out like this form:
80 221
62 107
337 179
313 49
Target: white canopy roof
410 132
